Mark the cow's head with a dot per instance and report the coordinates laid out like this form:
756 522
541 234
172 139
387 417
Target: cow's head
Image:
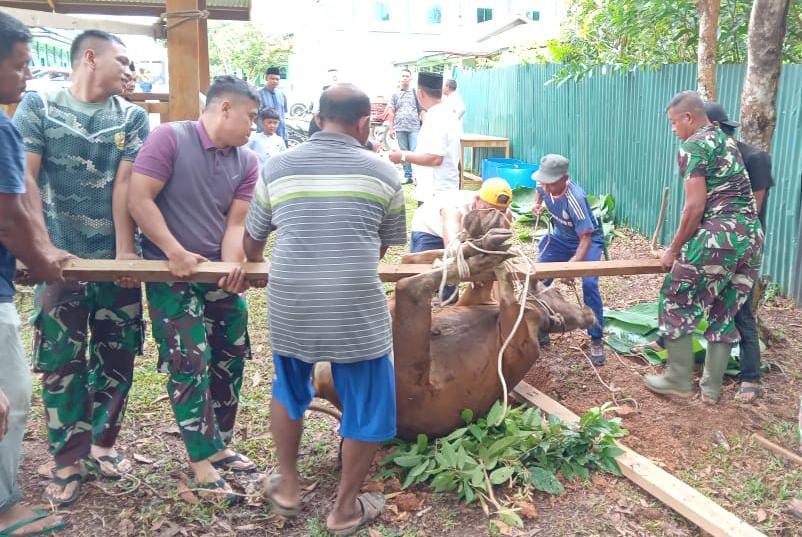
557 313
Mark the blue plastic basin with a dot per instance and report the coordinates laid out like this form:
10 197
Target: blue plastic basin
515 172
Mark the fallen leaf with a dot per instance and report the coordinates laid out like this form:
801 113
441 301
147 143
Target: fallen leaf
186 494
762 516
526 509
126 528
169 430
795 507
503 528
142 459
408 502
375 533
256 378
392 484
598 480
159 399
247 527
373 486
721 440
624 411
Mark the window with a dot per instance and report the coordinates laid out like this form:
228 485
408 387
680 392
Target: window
534 15
435 15
484 14
381 11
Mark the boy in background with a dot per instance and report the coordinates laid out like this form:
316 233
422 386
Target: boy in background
267 144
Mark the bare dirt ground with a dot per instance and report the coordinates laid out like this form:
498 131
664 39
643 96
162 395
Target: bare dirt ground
708 447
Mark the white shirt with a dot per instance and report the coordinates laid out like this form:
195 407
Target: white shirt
439 135
266 146
427 218
455 103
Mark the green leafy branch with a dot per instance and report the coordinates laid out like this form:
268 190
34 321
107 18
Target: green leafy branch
525 451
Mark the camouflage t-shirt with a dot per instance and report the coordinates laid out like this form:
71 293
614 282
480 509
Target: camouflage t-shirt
714 155
82 145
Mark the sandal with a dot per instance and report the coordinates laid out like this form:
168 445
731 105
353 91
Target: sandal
269 489
229 464
64 482
372 504
40 514
747 395
108 466
208 491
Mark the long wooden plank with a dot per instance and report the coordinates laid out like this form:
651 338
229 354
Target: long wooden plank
676 494
68 22
101 270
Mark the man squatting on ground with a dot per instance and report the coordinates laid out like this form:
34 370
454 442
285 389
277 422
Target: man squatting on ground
335 208
80 144
190 192
714 257
20 237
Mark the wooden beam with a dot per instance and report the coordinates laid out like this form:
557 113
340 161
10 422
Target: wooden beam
183 62
156 271
676 494
203 53
44 19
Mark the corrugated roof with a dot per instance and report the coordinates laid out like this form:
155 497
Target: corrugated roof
218 9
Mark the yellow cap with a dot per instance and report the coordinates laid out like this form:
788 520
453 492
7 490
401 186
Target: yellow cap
496 191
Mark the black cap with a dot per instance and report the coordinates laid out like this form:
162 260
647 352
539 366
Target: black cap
716 113
432 81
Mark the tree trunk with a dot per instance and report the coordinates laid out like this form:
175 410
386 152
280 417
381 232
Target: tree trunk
767 27
706 63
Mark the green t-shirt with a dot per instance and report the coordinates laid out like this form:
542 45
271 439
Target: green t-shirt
82 145
714 155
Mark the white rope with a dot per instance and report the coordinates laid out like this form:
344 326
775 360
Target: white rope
453 253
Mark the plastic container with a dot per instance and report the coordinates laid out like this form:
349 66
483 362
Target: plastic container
515 172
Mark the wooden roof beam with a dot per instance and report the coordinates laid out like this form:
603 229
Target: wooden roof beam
33 18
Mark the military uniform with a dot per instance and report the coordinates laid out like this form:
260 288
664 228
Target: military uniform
719 264
202 334
82 145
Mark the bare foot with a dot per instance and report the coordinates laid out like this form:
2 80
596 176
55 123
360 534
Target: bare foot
287 492
64 493
19 512
204 472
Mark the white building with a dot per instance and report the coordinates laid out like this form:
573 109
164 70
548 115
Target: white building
360 41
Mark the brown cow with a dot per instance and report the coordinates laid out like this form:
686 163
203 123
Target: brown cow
447 362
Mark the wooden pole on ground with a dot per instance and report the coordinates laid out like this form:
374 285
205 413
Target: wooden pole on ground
676 494
100 270
183 58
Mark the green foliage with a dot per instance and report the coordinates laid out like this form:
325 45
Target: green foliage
526 451
243 49
638 326
632 34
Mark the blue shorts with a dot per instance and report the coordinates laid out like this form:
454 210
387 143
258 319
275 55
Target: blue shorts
366 390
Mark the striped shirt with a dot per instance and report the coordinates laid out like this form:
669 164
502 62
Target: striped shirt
333 205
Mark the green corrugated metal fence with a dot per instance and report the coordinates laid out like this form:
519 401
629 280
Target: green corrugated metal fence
613 129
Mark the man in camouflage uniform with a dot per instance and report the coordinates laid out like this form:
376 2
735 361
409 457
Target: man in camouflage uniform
80 144
190 192
715 255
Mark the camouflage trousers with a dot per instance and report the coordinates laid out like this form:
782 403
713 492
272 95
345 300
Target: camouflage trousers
85 400
202 334
713 276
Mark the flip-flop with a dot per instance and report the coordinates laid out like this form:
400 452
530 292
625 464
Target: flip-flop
269 489
757 390
96 465
63 482
40 514
372 504
220 484
227 464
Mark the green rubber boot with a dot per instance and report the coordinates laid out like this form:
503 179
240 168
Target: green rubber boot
716 360
677 378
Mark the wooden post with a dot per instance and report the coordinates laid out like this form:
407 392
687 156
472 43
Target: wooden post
203 52
184 63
